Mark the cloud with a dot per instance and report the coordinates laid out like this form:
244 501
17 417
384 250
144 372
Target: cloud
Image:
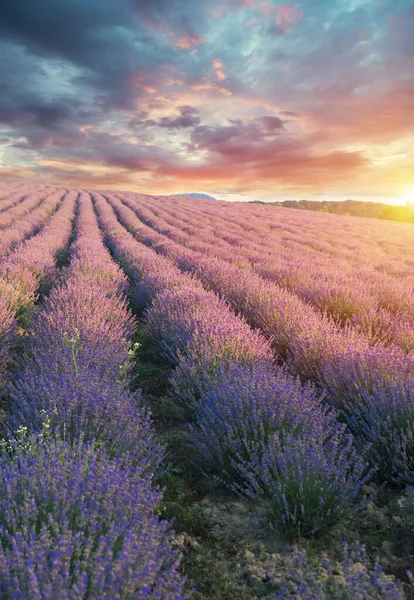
272 123
188 117
243 91
219 68
287 15
232 138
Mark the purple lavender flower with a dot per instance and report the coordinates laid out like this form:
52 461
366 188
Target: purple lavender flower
383 421
266 436
75 524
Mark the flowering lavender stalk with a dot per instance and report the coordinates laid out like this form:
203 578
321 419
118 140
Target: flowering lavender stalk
75 525
354 578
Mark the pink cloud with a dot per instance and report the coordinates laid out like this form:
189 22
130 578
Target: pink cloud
219 68
286 16
188 42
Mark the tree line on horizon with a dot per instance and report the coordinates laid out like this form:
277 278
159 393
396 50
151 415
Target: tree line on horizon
355 208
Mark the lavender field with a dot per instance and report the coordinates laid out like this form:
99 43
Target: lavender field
203 399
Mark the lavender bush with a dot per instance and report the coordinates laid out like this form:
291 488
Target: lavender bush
383 421
100 409
268 437
310 486
244 406
76 524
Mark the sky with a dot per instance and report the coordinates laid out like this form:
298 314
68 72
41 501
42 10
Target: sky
241 99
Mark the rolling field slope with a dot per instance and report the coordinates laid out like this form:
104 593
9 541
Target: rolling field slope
203 399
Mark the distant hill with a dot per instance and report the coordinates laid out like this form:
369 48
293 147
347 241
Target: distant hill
196 195
355 208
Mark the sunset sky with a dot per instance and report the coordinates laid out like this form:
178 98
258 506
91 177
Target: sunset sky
242 99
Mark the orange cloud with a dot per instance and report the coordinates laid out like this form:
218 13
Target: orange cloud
188 42
219 68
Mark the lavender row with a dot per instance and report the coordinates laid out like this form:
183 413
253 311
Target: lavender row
30 224
350 285
359 242
10 198
12 195
30 201
283 318
23 272
376 304
252 422
358 377
192 327
88 452
24 269
77 525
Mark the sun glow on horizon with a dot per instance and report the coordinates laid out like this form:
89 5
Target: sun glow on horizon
408 196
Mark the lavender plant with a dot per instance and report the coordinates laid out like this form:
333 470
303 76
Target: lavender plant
76 524
100 409
270 438
244 406
310 486
383 421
